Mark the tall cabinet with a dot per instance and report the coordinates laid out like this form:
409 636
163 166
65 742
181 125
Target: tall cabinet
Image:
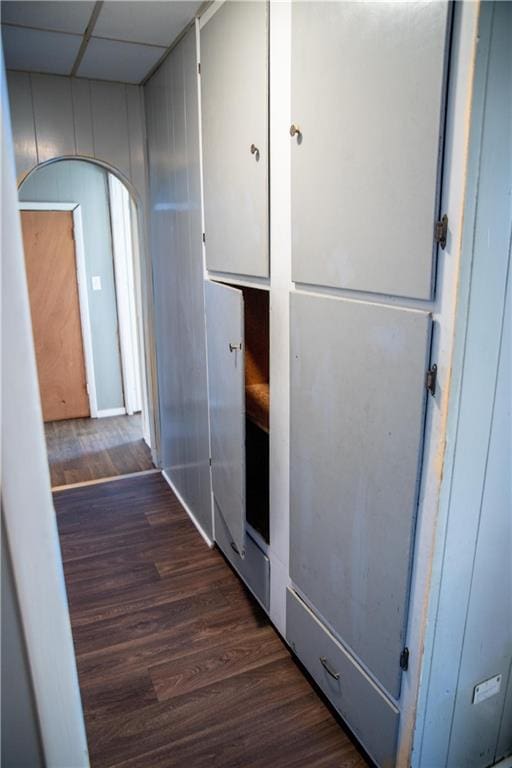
368 84
234 106
368 91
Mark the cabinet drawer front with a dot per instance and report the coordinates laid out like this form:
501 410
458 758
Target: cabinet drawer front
369 714
254 568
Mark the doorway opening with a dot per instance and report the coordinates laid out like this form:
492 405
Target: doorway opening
82 256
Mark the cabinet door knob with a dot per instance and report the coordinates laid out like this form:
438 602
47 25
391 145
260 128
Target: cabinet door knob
295 131
255 151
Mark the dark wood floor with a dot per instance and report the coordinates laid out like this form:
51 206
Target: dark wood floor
90 449
178 665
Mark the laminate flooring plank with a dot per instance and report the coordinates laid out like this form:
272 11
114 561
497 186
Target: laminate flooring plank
80 450
178 665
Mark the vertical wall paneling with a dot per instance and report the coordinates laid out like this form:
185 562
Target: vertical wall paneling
176 246
136 135
487 650
21 743
84 137
367 97
110 124
467 582
57 116
53 116
107 125
22 115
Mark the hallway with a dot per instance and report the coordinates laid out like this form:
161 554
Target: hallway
177 663
81 450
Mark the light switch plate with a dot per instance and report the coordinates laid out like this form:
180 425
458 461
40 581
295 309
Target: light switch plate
486 688
96 283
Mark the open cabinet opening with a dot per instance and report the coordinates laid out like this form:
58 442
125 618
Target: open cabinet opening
256 331
237 320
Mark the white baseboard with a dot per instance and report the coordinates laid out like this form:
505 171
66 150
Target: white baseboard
100 480
102 414
505 763
187 509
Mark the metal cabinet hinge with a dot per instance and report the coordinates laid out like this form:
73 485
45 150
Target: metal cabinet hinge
204 237
431 379
404 659
198 67
210 461
441 231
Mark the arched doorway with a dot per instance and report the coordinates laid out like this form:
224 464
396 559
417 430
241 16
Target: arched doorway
81 224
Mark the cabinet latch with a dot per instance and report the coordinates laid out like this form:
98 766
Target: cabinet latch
441 231
431 379
404 659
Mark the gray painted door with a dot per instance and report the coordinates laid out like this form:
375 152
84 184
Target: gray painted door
226 383
234 102
357 413
367 96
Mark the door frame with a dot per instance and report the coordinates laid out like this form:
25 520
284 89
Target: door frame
83 299
129 300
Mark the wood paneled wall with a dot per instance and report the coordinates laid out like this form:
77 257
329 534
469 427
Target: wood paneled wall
54 116
175 235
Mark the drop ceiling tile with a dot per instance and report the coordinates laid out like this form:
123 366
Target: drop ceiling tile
158 23
37 51
60 15
113 60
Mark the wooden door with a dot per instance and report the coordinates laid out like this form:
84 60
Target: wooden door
53 290
234 101
226 383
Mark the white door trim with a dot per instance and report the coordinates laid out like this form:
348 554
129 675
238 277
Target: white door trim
83 298
127 315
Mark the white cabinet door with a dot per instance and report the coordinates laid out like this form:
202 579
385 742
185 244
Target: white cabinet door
226 384
234 104
368 83
357 413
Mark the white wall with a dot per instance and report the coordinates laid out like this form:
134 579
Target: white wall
75 181
470 623
21 744
55 117
27 506
176 251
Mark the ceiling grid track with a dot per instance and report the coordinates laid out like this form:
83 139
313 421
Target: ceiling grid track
106 40
87 36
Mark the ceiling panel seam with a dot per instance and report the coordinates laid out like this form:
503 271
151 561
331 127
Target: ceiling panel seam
87 36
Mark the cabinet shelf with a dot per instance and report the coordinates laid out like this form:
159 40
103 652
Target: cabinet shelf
257 404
